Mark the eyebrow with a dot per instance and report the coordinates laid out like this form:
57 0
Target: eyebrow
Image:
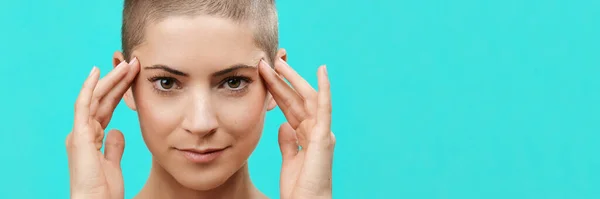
231 69
168 69
215 74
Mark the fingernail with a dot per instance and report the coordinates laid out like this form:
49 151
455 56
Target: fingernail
325 70
121 64
133 61
92 72
263 63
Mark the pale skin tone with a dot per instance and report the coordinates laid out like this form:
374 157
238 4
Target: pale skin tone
201 82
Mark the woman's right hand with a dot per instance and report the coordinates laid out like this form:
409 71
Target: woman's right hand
93 174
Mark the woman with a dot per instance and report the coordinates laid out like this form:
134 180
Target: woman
201 88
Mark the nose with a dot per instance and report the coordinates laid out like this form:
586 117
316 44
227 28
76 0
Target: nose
200 119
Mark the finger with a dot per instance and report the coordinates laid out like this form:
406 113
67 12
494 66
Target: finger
319 168
68 141
287 141
82 157
82 105
112 99
98 134
324 104
115 145
289 101
300 85
107 83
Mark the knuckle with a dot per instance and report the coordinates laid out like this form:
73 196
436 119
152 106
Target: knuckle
326 85
94 108
96 98
289 102
300 113
68 140
78 136
312 95
115 99
323 143
116 144
306 124
309 100
333 140
326 106
77 104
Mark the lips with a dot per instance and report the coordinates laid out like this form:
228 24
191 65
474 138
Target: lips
206 155
202 151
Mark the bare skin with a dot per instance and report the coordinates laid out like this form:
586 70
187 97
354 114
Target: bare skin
202 116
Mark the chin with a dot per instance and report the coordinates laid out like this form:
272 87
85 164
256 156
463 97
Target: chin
202 183
202 178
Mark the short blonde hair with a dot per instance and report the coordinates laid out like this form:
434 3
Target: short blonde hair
260 14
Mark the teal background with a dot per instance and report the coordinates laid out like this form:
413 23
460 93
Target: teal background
432 98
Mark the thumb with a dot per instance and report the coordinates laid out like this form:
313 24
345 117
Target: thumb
287 141
115 144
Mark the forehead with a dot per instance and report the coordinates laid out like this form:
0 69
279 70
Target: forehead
200 40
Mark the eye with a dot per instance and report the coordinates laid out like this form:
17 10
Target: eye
165 83
236 83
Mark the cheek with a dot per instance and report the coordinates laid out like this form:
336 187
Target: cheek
158 115
244 116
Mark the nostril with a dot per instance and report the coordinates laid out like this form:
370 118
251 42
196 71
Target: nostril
205 132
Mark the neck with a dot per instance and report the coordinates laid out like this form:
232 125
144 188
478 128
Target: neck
161 184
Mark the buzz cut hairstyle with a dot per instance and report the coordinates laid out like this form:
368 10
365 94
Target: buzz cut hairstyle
260 15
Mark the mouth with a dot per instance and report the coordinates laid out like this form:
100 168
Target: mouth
202 155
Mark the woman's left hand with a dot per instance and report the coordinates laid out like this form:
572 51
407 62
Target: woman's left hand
305 172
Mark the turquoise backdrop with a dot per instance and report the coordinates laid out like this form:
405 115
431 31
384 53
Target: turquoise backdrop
459 99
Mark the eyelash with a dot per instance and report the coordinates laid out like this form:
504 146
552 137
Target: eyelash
245 80
242 78
153 80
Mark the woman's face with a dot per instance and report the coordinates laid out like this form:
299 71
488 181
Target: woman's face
199 97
